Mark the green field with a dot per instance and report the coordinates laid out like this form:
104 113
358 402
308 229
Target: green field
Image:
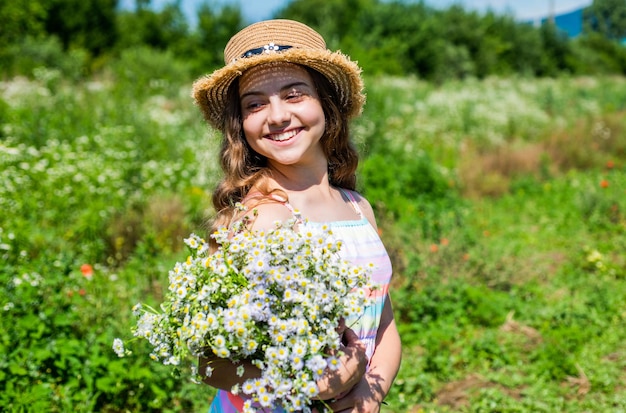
502 203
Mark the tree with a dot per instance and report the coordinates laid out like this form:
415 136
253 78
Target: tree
86 24
215 28
334 19
163 29
607 17
556 51
418 35
525 47
20 19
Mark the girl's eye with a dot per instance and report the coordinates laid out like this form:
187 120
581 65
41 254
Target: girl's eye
253 106
294 95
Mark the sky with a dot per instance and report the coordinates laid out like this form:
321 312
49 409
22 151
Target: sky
522 9
256 10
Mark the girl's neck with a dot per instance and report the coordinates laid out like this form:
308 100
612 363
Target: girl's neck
304 187
311 194
297 178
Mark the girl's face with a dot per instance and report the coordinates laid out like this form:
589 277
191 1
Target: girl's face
283 118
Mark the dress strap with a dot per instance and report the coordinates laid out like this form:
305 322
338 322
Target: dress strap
353 201
281 200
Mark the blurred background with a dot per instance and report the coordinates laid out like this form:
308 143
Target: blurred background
493 151
532 10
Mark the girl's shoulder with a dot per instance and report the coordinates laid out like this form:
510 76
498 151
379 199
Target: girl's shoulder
264 210
363 204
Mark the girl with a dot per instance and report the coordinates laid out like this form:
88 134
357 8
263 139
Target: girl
283 103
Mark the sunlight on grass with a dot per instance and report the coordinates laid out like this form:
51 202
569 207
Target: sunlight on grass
502 204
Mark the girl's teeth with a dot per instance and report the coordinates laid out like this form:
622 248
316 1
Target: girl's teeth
283 136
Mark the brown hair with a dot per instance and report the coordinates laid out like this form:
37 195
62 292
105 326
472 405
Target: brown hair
244 168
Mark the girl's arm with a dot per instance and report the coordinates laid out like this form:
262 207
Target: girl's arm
224 372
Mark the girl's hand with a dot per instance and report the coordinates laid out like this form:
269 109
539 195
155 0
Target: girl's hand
353 364
361 399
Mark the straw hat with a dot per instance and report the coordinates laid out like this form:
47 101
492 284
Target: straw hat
278 41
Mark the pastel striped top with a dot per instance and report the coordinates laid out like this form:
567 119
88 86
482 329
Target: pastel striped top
361 245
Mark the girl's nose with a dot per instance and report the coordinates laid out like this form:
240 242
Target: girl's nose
279 112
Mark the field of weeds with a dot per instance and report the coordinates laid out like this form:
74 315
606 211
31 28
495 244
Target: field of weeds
502 203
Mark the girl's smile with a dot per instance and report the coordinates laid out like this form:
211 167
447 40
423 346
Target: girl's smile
284 136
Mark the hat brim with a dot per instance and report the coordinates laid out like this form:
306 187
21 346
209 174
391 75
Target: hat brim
210 92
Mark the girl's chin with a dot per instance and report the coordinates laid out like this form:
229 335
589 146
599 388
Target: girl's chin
284 161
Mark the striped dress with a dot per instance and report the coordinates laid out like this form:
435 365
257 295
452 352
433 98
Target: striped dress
361 245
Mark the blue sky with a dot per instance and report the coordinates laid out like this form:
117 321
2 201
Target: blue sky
522 9
256 10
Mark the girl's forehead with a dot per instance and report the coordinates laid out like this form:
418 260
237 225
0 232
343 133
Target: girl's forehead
273 75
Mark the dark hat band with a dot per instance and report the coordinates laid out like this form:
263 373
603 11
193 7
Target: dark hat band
268 48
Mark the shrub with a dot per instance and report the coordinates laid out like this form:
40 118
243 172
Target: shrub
146 71
22 57
411 190
57 356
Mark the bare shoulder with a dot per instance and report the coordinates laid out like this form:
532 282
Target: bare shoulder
366 208
265 213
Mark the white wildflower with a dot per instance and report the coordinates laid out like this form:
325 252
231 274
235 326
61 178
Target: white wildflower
118 347
273 298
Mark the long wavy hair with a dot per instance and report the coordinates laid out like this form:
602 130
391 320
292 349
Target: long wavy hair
244 168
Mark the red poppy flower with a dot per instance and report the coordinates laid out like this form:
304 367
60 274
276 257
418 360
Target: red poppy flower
87 270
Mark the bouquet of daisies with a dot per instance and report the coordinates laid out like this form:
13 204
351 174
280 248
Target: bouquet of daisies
272 297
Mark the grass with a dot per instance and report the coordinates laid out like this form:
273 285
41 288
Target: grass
501 202
529 315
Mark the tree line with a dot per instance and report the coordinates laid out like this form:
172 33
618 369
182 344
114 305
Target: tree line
386 37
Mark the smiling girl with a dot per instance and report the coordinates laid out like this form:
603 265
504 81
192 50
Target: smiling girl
283 103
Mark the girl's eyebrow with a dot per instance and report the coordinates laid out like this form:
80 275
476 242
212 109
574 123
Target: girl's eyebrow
282 89
292 85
